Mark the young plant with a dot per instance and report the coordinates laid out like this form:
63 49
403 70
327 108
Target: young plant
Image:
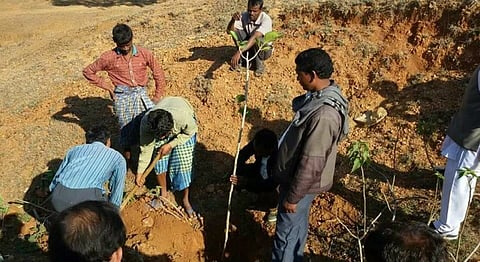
359 155
263 45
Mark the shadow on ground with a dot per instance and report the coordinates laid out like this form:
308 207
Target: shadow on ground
218 55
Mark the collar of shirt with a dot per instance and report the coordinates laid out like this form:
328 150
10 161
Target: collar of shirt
255 23
134 51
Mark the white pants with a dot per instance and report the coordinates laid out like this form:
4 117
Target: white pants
457 192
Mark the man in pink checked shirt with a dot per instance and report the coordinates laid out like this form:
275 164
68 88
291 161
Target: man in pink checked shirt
126 66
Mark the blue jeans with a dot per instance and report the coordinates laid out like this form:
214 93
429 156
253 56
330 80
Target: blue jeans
291 231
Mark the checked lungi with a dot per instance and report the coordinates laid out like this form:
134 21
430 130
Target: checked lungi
178 164
129 105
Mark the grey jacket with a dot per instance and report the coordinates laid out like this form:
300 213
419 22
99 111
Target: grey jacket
464 128
305 162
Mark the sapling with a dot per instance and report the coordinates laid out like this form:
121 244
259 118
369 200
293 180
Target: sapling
263 44
359 156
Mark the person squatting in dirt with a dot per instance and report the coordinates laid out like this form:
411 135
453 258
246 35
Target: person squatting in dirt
170 127
256 177
305 162
88 231
250 26
86 168
405 241
460 147
126 65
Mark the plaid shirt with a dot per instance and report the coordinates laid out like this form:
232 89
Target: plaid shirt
124 71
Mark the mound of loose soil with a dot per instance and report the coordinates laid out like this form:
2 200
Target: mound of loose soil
156 234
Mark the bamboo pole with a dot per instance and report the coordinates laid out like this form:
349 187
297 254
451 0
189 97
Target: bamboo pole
244 113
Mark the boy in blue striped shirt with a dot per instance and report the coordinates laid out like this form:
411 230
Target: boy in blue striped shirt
85 170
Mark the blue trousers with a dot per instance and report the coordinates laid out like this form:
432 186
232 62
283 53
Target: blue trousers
291 230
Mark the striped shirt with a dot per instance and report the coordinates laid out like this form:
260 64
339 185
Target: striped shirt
91 166
127 71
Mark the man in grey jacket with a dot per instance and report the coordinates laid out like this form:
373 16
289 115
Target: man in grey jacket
305 163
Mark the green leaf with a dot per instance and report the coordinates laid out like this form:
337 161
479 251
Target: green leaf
243 44
271 37
267 47
247 113
235 37
439 175
356 165
240 98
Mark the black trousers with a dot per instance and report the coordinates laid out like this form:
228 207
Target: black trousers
64 197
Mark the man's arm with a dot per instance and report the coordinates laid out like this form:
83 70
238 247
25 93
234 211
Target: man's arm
147 145
251 42
90 73
117 181
231 24
158 77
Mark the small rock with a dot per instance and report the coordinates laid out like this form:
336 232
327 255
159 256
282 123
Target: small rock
147 222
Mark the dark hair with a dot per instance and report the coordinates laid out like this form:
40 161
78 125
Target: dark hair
266 139
252 3
122 34
161 122
408 241
88 231
315 60
98 133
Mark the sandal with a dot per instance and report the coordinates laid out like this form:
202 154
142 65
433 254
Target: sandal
156 204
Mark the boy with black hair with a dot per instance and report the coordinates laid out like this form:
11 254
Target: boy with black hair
88 231
256 177
169 127
405 241
86 168
250 26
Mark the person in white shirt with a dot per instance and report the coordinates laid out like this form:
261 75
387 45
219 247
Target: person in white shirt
250 26
461 147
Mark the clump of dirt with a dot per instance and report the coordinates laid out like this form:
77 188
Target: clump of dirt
157 235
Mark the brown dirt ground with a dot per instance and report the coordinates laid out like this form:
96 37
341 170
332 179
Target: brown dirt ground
413 58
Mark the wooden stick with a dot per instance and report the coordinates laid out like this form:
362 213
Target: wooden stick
144 175
244 114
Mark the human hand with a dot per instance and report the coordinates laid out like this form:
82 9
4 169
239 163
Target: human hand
289 208
155 100
236 16
112 94
234 180
165 150
139 179
235 59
